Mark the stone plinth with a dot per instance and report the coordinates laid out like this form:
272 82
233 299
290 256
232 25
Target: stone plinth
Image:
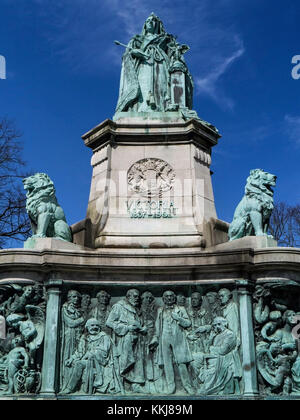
255 242
41 244
151 184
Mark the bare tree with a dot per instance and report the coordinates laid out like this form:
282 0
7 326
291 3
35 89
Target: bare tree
285 224
14 223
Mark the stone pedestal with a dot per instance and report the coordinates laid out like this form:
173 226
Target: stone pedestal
151 184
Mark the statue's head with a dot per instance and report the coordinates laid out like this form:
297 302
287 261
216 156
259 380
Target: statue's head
133 297
261 292
153 25
212 297
289 317
196 300
37 181
74 297
103 297
225 295
28 291
169 298
93 326
147 298
219 324
260 180
86 300
181 299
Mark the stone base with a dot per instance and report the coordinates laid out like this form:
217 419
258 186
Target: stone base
148 241
173 116
255 242
40 244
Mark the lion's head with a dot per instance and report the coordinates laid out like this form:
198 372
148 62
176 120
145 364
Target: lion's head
39 189
260 182
38 182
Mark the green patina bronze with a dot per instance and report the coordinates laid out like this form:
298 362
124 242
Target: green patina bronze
277 339
148 62
252 215
155 80
46 216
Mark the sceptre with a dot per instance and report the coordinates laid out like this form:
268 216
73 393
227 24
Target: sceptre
132 49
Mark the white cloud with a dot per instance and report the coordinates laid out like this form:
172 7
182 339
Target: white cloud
209 84
292 124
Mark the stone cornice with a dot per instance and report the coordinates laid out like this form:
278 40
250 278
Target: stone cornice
145 132
151 260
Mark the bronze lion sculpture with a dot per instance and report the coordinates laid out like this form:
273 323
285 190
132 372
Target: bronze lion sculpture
252 215
46 216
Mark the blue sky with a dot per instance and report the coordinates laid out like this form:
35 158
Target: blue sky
63 78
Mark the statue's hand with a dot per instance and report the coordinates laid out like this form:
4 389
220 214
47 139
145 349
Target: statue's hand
192 337
176 316
201 330
135 327
139 54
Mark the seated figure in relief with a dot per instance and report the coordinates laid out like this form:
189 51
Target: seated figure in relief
92 363
217 374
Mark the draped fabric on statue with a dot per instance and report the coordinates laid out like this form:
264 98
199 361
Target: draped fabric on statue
129 84
144 84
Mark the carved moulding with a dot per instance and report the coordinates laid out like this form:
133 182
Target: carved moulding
203 157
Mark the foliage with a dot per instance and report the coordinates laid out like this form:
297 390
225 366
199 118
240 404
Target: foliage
285 224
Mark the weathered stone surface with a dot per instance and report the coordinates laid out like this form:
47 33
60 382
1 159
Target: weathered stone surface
175 159
42 244
256 242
